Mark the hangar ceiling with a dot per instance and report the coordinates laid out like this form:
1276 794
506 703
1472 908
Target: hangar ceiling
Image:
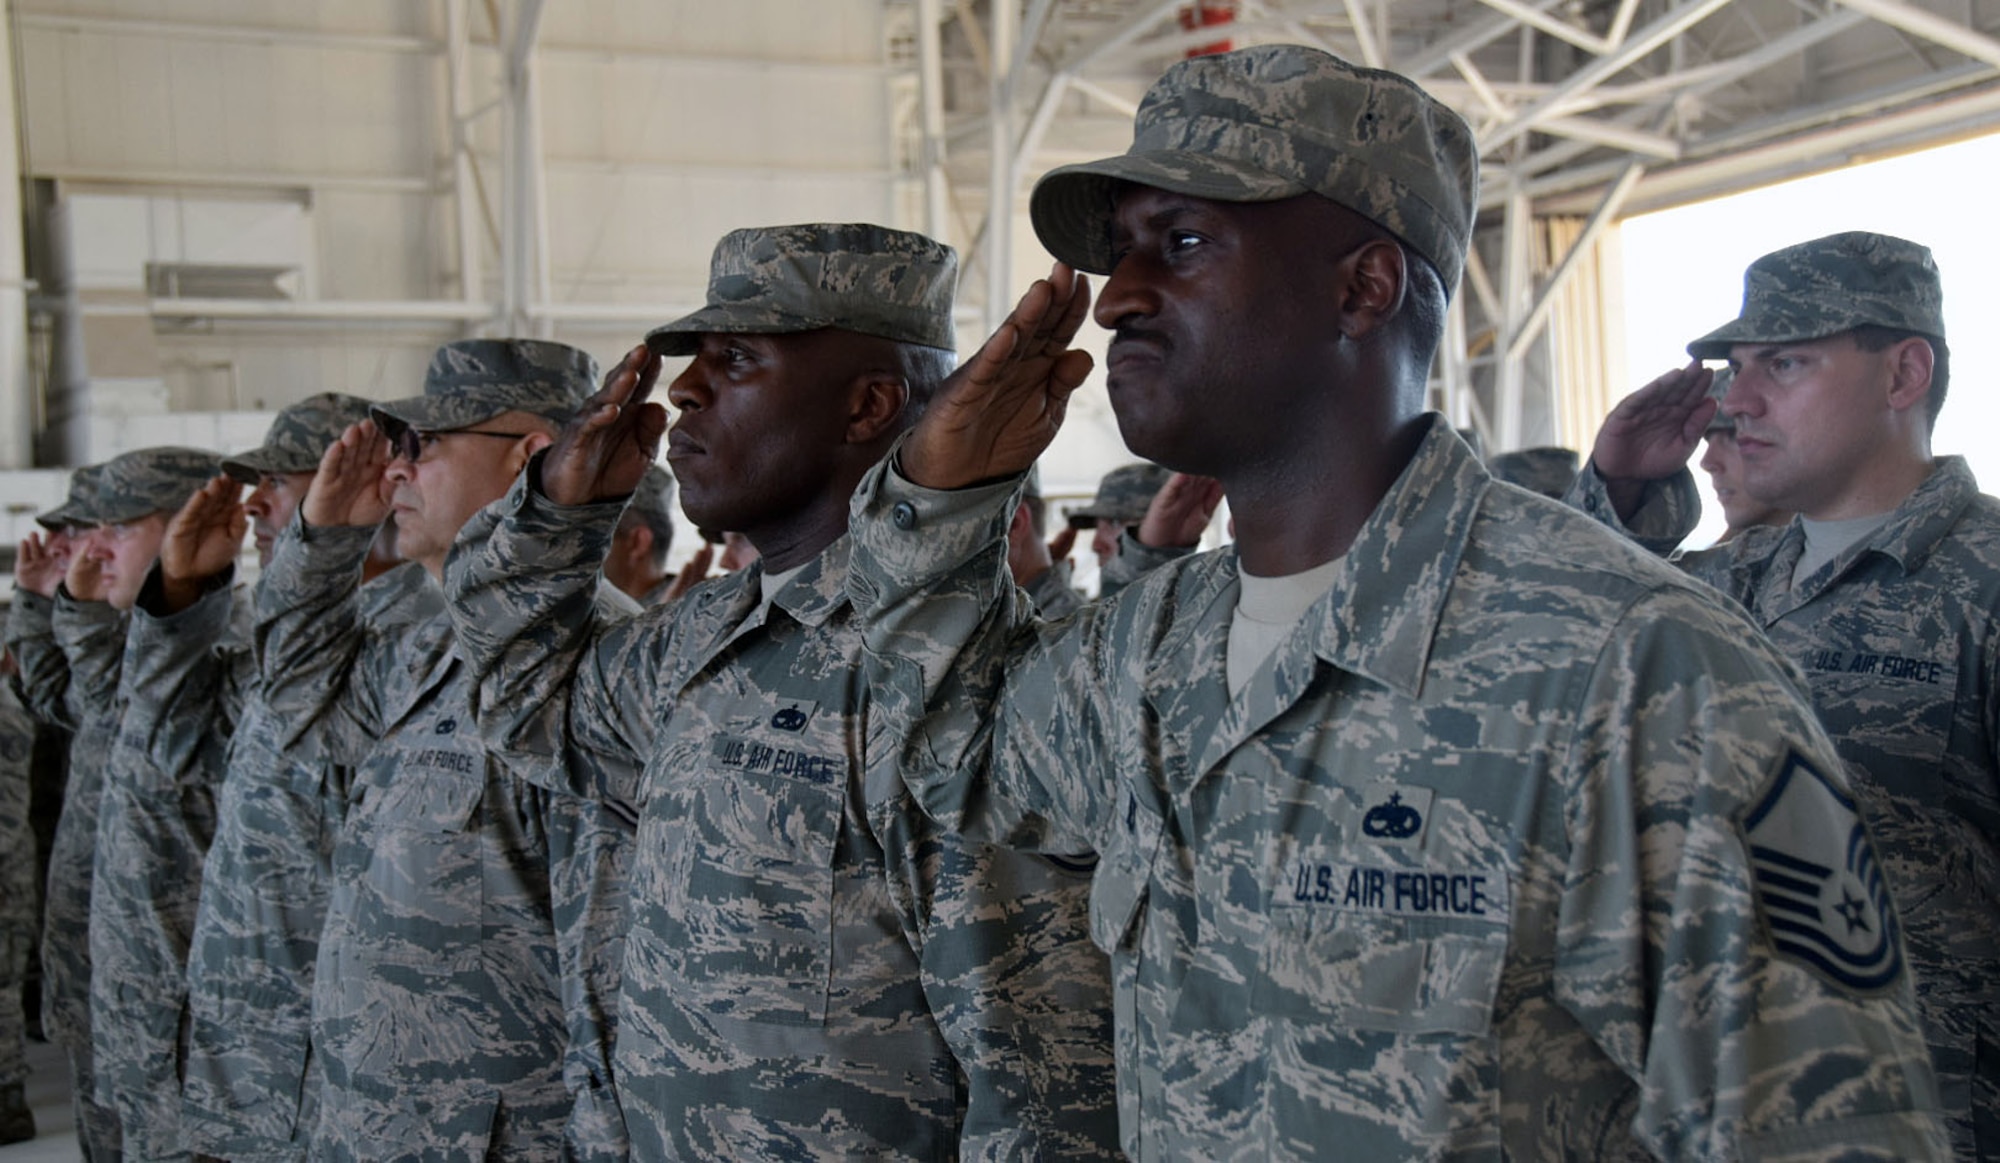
426 170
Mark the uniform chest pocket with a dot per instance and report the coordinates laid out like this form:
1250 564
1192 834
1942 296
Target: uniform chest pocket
420 895
1403 975
751 921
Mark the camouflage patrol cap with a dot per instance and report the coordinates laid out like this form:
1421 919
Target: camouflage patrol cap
1273 122
1831 285
298 437
1122 495
776 280
151 480
1547 471
1718 388
474 380
77 507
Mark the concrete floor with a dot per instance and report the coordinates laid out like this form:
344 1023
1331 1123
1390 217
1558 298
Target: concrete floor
48 1094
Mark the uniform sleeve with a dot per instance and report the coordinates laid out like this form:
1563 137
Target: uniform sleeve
1002 717
1724 933
1020 994
179 679
1668 510
92 637
556 678
311 644
43 681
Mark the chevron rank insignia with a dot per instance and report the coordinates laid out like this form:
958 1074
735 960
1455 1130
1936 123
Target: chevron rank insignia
1821 891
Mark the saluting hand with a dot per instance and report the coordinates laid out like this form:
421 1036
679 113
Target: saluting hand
997 413
347 490
1062 543
40 563
202 541
605 451
1180 511
1653 431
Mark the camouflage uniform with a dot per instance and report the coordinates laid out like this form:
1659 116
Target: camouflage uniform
653 504
1502 854
138 855
1899 637
251 1085
17 905
1054 598
439 993
1547 471
187 679
812 970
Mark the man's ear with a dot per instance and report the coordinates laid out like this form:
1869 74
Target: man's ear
1911 362
525 448
1375 281
877 399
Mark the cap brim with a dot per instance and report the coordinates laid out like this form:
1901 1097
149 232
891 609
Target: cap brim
1716 344
249 466
63 516
683 335
1071 206
433 413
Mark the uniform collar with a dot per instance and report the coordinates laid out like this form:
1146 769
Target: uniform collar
1927 514
1381 615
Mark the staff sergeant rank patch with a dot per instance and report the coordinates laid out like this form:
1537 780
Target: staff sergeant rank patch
1819 888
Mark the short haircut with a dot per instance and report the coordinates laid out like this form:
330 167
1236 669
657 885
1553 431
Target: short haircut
654 519
1038 514
1874 337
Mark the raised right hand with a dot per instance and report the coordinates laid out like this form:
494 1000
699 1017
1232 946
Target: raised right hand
347 490
999 410
1652 432
41 563
202 541
604 452
1180 511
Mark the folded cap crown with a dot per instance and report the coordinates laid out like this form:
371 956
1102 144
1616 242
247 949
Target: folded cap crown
1833 285
775 280
1273 122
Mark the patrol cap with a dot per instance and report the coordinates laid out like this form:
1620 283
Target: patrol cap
298 437
1831 285
474 380
1718 388
1547 471
776 280
1122 495
150 480
1272 122
78 505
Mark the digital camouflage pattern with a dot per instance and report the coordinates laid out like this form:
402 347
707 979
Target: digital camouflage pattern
1547 471
155 821
1053 596
77 506
18 892
1462 872
70 654
1123 495
1899 638
811 969
437 1001
250 1089
147 481
861 278
1277 121
298 437
473 380
1831 285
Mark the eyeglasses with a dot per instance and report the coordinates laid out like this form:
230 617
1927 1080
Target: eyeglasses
411 443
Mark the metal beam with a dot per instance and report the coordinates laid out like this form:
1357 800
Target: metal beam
930 87
1605 214
1929 26
1562 30
1468 40
1000 173
458 82
1677 20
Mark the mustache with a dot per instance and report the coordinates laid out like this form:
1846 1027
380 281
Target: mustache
1130 333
